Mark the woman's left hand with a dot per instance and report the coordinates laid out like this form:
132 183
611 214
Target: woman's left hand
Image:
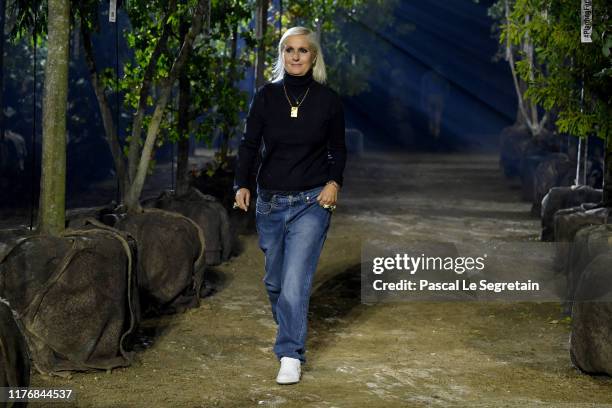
328 196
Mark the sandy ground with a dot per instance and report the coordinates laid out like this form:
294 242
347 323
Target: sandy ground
408 354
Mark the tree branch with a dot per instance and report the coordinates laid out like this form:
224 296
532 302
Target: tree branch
137 184
510 59
134 149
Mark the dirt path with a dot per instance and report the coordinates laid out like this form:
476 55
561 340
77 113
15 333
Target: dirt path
393 355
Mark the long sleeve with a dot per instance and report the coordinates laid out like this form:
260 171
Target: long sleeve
250 142
336 146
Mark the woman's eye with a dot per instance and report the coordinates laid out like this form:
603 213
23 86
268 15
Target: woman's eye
290 49
303 50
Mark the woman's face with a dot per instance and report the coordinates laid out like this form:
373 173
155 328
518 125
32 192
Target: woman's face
297 55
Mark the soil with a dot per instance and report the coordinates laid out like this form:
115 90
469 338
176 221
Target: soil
405 354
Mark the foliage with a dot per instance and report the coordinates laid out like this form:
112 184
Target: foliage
565 66
212 71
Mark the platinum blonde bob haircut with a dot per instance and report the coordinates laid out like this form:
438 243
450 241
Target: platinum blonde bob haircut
318 66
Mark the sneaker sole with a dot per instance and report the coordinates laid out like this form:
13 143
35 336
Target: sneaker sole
287 383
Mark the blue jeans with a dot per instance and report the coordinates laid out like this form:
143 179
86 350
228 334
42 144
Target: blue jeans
292 228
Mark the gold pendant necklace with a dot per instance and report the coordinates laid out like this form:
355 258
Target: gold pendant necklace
294 109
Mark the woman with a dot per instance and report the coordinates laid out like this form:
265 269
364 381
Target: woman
301 124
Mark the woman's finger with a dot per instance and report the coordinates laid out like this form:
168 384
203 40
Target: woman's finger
243 198
247 200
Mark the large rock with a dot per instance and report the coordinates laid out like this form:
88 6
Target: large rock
559 198
14 356
170 259
74 296
589 242
567 223
591 336
209 214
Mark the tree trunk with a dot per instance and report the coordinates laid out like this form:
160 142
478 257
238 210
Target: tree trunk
226 129
110 129
133 194
52 207
182 166
578 179
182 159
261 22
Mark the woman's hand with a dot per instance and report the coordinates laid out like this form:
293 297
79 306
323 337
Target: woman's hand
329 195
243 198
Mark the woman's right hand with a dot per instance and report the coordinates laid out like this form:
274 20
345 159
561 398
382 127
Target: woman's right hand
243 198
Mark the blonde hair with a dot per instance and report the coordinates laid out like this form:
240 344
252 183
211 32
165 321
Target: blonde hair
318 67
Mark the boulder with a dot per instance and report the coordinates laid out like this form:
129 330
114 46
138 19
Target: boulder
591 335
210 216
559 198
567 223
74 296
14 355
589 242
171 259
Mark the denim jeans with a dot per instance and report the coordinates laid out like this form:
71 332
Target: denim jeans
292 228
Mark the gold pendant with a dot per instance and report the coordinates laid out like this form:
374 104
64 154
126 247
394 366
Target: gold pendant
294 111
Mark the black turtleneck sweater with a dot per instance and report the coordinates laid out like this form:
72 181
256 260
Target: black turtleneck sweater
298 153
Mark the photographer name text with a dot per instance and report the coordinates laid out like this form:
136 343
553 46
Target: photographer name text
453 286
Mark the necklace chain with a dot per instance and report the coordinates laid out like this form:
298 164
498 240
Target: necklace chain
289 100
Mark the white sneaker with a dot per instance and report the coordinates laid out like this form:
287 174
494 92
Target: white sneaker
290 371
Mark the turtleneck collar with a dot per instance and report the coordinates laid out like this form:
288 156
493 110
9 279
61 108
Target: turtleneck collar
298 80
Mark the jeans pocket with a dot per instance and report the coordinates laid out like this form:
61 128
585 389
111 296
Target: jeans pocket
263 207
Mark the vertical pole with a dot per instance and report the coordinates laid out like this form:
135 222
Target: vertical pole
585 160
578 180
2 24
578 158
607 178
117 124
34 118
